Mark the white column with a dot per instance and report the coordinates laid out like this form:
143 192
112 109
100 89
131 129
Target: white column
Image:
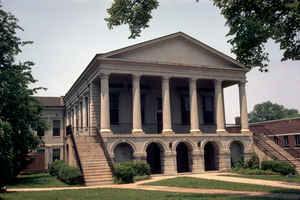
243 107
67 117
91 109
167 121
136 105
219 106
194 117
104 101
83 113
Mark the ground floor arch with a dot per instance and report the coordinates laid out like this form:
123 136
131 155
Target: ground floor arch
211 156
183 158
236 152
155 155
123 152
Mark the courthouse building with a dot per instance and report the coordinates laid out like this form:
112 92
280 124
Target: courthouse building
160 101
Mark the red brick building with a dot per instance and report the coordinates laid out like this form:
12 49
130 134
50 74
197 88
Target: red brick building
285 132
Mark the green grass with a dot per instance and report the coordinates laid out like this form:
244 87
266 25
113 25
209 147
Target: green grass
188 182
295 179
118 194
43 180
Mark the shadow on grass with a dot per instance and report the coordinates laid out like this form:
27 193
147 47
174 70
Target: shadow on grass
30 180
219 197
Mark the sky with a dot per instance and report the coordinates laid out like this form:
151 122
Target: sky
68 33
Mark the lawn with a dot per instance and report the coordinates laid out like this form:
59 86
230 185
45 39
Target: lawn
189 182
43 180
295 179
118 194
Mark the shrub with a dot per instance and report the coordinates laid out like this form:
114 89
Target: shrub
253 171
140 168
283 168
252 163
141 178
124 172
55 167
70 175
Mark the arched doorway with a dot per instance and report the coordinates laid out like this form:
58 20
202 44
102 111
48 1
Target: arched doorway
123 152
154 157
211 156
183 158
236 152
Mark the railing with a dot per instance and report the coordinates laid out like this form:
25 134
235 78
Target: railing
106 154
263 139
69 131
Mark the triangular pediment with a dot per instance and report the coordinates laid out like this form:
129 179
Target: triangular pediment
177 48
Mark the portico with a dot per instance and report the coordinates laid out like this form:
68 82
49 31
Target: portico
163 97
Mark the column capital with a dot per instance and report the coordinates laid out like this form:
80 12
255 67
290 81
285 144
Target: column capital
218 81
193 79
243 83
104 75
165 78
136 76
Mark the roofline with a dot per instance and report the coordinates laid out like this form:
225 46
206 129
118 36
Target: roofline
81 75
273 121
142 44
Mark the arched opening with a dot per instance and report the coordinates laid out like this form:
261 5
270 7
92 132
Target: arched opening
123 152
155 157
183 158
211 156
236 152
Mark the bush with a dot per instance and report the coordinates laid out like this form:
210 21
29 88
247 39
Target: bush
55 167
283 168
70 175
140 168
253 171
252 163
126 171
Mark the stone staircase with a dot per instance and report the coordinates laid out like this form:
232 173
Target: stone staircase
275 151
94 164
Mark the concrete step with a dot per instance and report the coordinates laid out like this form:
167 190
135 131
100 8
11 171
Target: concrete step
97 176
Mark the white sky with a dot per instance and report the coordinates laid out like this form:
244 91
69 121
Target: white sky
68 33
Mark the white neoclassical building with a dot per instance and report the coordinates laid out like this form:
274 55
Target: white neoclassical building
160 101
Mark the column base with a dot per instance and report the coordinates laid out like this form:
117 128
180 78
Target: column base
105 131
137 131
245 130
195 131
221 131
167 131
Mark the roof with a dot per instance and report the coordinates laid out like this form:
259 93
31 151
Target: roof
51 101
171 36
276 127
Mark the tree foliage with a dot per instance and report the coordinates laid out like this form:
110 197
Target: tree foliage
19 111
251 23
271 111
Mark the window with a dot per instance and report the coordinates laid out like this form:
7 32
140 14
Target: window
276 140
286 140
185 109
81 119
56 128
143 107
297 139
41 151
114 108
208 109
40 132
56 154
87 111
76 116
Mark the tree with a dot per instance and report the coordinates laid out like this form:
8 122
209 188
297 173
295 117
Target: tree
271 111
251 24
19 110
